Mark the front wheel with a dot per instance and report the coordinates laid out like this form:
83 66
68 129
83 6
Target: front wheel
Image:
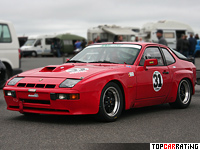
111 103
5 79
184 95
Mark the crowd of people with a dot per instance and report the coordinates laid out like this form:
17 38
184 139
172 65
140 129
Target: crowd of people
185 45
82 44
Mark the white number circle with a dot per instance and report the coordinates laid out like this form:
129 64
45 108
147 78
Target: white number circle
157 81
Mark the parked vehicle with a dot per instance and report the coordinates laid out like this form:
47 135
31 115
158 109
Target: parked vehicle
9 48
22 40
105 79
110 33
172 31
38 45
3 75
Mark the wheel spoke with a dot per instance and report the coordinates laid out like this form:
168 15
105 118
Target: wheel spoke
110 109
110 94
111 101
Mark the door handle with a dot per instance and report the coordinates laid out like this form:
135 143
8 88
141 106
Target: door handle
165 72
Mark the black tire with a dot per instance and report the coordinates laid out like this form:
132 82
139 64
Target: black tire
34 53
111 103
184 95
29 114
6 78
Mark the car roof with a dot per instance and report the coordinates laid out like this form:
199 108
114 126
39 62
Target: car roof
134 43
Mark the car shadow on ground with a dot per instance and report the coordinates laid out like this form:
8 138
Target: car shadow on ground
90 119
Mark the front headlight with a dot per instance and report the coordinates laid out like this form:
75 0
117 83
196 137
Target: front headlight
69 83
14 81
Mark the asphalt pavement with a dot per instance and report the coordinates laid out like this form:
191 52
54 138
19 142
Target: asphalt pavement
142 125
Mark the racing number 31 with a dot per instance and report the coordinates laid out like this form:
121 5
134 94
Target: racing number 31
157 81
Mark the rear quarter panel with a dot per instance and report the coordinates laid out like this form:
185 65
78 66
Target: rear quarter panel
181 70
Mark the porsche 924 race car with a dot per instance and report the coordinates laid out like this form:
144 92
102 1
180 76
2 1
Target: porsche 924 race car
105 79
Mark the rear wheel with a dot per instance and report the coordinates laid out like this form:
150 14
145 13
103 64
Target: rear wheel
111 103
184 95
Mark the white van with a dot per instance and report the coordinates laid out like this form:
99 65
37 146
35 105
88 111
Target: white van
9 48
38 45
172 31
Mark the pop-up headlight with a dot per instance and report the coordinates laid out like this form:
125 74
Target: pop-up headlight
14 81
69 83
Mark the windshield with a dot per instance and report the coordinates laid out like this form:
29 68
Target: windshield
111 53
29 42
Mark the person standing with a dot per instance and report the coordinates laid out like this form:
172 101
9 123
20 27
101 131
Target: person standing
97 40
58 47
136 39
120 38
192 44
183 45
197 37
161 39
78 45
83 44
179 44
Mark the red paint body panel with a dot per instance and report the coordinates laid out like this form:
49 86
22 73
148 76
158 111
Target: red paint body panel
136 84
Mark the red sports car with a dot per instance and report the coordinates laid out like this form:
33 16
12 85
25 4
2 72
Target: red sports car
105 79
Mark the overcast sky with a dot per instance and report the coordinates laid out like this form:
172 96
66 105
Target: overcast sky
32 17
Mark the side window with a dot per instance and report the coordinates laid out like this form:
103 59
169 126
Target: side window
5 36
169 58
169 35
38 42
152 53
68 42
48 41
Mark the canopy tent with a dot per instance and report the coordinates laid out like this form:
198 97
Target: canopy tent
68 41
119 31
69 36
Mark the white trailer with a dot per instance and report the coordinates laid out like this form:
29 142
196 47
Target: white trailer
172 31
109 33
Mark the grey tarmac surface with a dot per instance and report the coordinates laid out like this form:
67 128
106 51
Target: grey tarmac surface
142 125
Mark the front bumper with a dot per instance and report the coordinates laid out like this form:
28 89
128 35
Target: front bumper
24 102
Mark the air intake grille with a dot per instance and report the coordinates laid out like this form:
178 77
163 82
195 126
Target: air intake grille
36 101
36 85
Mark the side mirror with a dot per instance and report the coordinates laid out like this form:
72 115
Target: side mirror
67 59
150 62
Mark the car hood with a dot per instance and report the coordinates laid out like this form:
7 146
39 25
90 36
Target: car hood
75 71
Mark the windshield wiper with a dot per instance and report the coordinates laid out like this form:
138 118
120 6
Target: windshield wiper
75 61
105 61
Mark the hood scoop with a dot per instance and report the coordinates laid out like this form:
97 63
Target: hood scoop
55 68
48 69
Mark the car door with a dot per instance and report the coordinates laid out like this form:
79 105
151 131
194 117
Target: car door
38 46
154 82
